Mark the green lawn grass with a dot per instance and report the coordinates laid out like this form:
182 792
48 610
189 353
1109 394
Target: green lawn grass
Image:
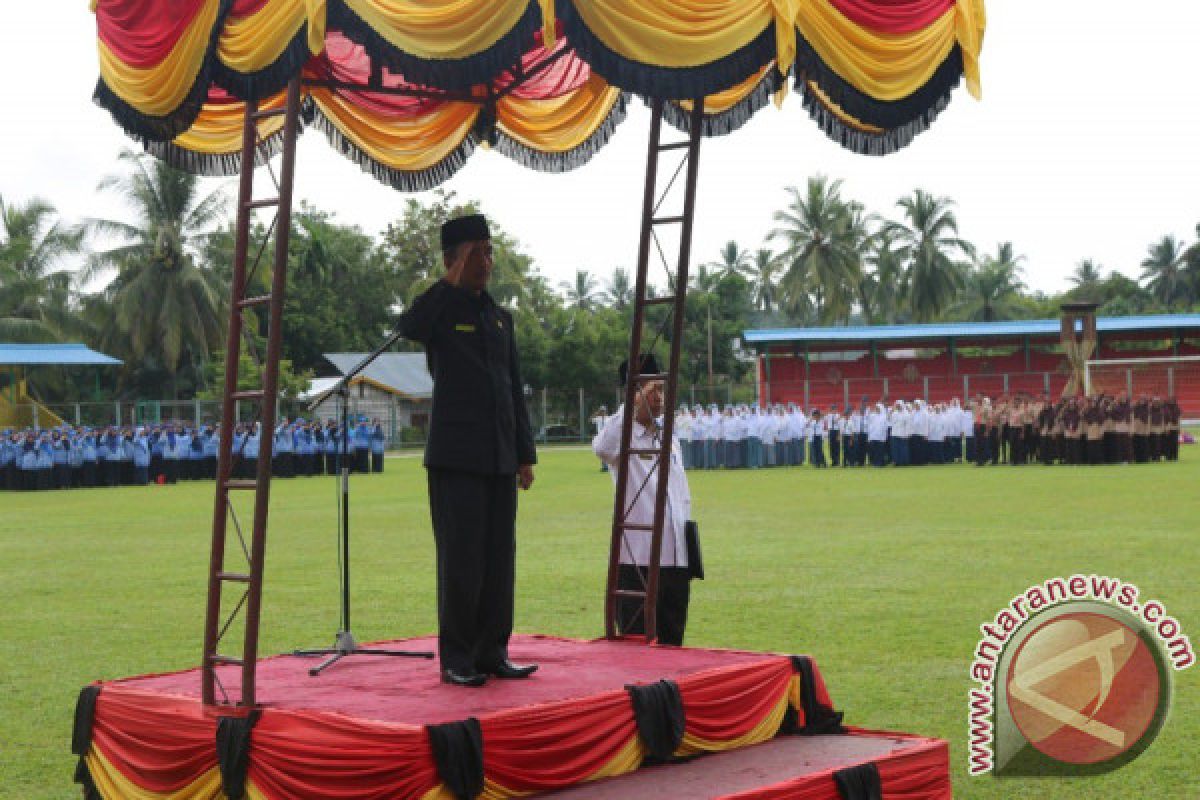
883 575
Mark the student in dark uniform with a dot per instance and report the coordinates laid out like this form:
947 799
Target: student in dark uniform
377 445
480 449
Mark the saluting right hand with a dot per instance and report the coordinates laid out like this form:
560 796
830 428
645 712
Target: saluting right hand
454 274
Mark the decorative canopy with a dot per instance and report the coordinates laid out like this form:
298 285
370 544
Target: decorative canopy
408 88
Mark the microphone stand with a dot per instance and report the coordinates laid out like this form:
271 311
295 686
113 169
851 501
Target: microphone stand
344 643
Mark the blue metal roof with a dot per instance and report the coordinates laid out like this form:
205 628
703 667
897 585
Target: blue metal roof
972 330
46 354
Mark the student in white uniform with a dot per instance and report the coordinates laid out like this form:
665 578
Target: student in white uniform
674 583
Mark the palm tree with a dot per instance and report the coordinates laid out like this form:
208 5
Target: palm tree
762 271
166 306
733 259
928 241
1163 269
881 290
35 296
992 287
582 293
821 249
1086 278
620 291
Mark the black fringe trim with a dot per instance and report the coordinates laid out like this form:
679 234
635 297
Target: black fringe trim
271 79
420 181
454 74
222 165
671 83
863 107
81 739
867 143
145 127
732 118
569 159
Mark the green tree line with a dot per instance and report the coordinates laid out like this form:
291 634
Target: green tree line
153 288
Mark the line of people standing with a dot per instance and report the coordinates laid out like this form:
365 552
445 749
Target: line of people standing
81 457
1011 430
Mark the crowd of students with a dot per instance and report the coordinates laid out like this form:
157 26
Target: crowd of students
1010 430
78 457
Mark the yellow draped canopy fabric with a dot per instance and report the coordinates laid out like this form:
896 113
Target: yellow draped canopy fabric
409 88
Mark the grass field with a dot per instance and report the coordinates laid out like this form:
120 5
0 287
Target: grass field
883 575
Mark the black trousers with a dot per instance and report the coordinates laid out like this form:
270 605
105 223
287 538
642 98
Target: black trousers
473 521
670 615
362 460
376 462
835 448
331 460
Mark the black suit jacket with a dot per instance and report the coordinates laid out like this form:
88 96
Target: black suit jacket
479 422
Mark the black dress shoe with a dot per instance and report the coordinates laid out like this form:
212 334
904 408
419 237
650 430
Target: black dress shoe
508 670
456 677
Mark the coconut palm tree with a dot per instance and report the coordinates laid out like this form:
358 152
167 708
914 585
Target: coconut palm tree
733 259
620 290
35 294
763 273
166 306
882 289
820 248
1086 278
992 287
581 294
1164 271
929 243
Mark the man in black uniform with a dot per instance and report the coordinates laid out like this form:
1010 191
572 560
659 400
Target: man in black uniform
480 449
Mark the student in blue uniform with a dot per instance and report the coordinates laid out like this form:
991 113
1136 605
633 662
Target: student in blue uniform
333 443
44 465
250 452
212 438
377 445
141 457
29 462
88 476
281 456
75 459
61 472
7 456
360 439
193 455
172 450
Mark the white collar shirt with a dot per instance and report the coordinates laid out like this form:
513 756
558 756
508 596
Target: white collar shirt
635 548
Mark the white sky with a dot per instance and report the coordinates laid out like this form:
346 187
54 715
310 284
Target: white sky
1085 145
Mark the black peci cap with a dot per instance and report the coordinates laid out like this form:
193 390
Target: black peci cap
471 228
649 367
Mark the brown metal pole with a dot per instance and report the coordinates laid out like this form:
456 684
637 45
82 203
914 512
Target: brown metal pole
668 433
631 383
212 616
270 392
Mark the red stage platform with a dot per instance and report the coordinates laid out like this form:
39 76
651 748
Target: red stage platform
374 727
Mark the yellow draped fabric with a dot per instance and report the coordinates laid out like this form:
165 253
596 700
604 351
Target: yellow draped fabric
558 124
113 785
970 21
626 760
766 729
255 41
682 33
218 129
720 102
160 89
884 66
440 28
409 144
